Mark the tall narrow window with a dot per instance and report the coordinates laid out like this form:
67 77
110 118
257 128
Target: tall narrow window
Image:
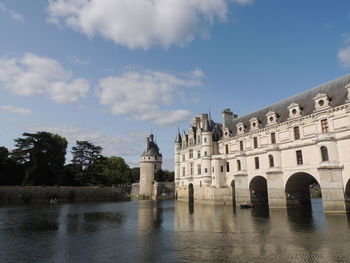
296 133
198 154
183 158
226 149
271 161
324 125
221 168
299 157
241 145
199 169
191 154
206 170
324 154
239 167
191 168
273 138
227 167
257 163
205 153
183 171
255 142
205 139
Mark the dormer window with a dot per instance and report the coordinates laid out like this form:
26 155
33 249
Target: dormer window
227 133
240 128
348 89
271 117
321 101
294 110
254 123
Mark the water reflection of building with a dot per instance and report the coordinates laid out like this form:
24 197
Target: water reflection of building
270 157
215 233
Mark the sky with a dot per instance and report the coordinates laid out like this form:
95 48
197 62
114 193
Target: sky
113 71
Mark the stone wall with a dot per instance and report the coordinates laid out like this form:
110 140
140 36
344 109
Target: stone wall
161 191
26 194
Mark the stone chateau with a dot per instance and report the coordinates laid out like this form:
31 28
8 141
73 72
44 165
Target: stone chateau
272 156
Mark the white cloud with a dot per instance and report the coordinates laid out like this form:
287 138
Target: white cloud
13 14
344 57
113 145
141 23
16 110
80 61
144 95
36 75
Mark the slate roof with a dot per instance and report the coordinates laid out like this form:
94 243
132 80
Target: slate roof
334 89
152 148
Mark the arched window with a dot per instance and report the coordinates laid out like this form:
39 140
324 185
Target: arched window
324 154
239 165
271 161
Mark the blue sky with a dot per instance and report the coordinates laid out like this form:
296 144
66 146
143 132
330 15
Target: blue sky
111 71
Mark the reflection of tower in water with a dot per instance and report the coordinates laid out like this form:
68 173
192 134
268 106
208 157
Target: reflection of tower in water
150 220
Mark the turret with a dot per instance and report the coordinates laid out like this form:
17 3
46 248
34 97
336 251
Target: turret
151 161
178 144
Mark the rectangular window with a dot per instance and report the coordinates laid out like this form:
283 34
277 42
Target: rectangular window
226 149
205 153
199 168
191 168
183 158
273 138
191 154
299 157
227 167
205 139
241 145
257 164
296 133
324 125
183 171
205 170
198 154
222 168
255 142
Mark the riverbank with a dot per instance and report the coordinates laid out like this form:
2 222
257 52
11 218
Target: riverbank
27 194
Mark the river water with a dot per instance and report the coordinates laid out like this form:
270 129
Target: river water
169 231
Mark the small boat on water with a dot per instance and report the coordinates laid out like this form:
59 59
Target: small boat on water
247 205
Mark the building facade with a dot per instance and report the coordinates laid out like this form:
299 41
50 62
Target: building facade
272 156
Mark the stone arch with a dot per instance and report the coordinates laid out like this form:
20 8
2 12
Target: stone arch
347 196
190 193
258 191
297 189
233 187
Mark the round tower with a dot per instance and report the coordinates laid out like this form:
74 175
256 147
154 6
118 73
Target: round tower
207 140
178 142
150 163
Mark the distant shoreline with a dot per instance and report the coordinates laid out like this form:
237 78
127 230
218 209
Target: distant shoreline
29 194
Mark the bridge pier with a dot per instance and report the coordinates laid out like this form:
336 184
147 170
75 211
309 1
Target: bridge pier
242 189
332 189
275 188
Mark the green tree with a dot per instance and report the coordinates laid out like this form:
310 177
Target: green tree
135 174
116 171
88 163
164 176
42 155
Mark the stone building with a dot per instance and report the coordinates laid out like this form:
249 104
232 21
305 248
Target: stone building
271 156
150 163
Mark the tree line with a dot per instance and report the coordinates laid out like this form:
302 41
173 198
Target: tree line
40 159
